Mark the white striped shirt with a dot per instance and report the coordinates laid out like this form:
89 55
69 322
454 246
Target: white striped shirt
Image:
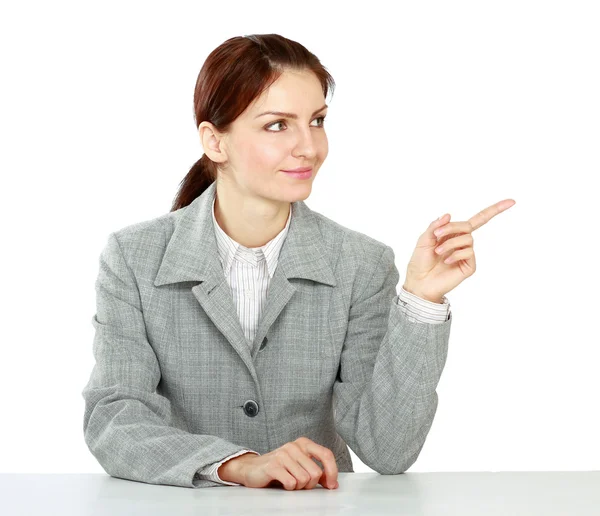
249 271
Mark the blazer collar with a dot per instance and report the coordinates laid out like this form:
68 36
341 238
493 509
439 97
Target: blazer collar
192 252
230 250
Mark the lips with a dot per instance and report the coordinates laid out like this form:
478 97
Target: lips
299 169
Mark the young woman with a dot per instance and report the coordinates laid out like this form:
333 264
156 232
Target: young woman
245 339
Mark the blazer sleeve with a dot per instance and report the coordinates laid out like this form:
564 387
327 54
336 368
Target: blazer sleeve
127 425
384 397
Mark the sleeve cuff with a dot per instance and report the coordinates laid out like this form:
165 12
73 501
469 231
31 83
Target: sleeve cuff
420 310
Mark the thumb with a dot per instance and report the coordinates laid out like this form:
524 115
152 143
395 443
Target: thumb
436 224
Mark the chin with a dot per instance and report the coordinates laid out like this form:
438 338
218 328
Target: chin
299 194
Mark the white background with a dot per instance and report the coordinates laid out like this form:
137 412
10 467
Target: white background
440 107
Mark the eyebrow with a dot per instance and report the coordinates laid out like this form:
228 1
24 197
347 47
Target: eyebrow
288 115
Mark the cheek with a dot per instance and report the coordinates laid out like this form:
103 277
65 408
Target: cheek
263 154
323 148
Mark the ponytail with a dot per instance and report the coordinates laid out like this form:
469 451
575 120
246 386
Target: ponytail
202 174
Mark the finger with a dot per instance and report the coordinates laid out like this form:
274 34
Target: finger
454 243
453 228
460 254
488 213
311 467
283 478
293 462
438 223
324 456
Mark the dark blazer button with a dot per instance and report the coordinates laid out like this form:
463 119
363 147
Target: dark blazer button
251 408
264 343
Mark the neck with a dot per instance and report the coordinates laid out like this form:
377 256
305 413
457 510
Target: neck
251 222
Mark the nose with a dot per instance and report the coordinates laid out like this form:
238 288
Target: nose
305 145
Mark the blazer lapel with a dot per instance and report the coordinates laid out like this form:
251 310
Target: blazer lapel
192 255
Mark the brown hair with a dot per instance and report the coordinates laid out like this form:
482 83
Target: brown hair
233 75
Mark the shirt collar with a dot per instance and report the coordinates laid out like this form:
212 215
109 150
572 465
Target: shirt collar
230 250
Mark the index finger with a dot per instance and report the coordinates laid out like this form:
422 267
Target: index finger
486 215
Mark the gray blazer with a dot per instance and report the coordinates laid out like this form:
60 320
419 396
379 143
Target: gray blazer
176 387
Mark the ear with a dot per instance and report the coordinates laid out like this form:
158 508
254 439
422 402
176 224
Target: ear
212 142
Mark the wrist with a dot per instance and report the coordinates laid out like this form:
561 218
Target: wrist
230 471
416 292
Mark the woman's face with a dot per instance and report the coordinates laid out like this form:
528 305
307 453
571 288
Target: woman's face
259 147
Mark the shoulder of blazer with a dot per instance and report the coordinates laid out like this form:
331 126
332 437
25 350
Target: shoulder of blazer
148 233
355 256
351 241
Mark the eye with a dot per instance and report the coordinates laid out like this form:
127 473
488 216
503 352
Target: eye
322 118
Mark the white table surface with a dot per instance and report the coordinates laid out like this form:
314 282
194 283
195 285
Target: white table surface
565 493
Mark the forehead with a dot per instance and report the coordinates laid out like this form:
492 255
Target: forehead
294 91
